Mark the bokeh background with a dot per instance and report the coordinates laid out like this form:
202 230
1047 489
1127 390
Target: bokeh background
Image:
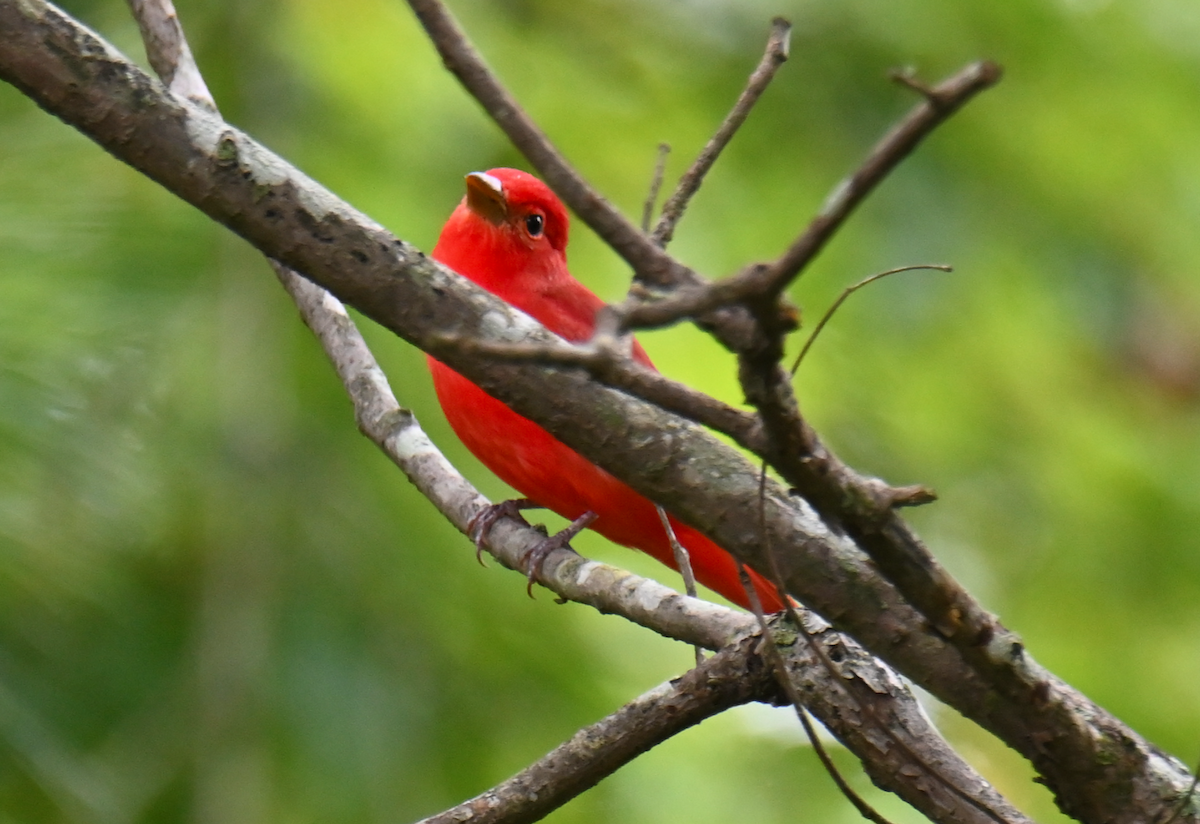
218 602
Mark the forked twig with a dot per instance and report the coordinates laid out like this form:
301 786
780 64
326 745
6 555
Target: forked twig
775 56
850 290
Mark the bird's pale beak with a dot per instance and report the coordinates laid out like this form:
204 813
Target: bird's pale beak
485 197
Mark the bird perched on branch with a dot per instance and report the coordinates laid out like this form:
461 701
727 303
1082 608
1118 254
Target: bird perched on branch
509 236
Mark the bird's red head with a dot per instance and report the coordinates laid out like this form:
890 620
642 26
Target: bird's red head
509 229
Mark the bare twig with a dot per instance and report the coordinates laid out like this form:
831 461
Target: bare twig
779 667
774 57
683 561
847 292
779 670
660 166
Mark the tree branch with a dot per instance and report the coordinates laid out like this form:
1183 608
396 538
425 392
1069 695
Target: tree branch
941 101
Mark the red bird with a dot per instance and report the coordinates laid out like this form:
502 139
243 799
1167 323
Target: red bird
509 235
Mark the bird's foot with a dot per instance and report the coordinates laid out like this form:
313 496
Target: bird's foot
480 525
537 554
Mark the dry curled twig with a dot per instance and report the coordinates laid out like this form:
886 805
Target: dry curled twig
846 293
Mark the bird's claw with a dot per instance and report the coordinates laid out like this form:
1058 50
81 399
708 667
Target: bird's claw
481 524
537 554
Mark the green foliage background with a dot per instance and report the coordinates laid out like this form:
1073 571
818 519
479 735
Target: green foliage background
219 603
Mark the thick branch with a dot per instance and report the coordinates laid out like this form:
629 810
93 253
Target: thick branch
1101 770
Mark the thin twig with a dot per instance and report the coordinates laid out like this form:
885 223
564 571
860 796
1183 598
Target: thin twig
850 290
683 561
775 56
771 651
660 166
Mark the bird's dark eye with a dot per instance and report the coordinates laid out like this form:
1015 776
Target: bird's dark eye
534 225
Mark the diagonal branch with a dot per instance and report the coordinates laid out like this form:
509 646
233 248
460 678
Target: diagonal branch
725 680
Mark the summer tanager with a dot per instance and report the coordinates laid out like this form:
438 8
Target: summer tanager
509 235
